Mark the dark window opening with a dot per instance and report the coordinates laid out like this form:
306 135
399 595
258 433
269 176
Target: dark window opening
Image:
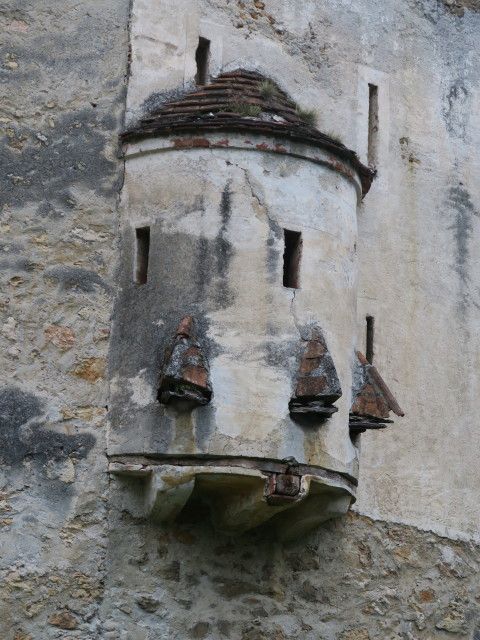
142 249
202 55
372 154
291 259
370 338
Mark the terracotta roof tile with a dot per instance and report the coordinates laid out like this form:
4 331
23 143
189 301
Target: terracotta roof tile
217 106
372 399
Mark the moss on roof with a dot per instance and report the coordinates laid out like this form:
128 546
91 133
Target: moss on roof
238 101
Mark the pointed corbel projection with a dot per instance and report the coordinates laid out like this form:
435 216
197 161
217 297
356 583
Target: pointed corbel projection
372 399
185 372
318 386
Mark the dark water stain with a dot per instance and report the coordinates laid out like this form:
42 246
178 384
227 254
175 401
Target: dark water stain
284 353
187 276
454 108
214 257
226 206
73 154
22 436
17 263
463 211
76 278
273 254
65 202
224 248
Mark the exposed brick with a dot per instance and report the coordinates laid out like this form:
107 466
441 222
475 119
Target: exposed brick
370 403
182 143
286 484
185 327
315 349
196 375
307 365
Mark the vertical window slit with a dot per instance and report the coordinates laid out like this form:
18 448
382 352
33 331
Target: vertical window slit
142 249
370 338
202 55
372 154
291 259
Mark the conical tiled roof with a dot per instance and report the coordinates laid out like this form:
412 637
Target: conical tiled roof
229 102
372 399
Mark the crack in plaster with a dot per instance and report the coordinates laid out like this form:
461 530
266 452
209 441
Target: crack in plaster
262 205
292 311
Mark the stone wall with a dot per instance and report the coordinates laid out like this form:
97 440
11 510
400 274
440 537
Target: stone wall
74 564
354 579
63 85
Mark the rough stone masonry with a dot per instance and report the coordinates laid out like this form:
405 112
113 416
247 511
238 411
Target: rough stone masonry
74 564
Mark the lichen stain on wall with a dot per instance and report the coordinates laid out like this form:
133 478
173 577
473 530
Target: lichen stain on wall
455 108
24 438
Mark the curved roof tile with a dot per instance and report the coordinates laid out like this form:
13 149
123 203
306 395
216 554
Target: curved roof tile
225 104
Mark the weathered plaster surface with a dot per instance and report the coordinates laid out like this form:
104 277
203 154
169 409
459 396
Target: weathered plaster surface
217 245
417 227
74 564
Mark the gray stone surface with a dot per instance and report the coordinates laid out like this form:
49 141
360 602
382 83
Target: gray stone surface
73 564
62 84
353 579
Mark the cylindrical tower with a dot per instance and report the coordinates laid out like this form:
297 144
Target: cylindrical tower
234 331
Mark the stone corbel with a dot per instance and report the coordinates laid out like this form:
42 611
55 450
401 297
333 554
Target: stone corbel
372 399
318 386
241 498
185 374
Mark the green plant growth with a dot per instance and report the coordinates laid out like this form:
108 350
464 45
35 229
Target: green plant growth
267 89
309 116
246 109
333 136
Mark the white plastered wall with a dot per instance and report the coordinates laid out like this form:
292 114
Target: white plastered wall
418 227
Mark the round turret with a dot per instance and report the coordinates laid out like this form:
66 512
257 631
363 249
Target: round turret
235 326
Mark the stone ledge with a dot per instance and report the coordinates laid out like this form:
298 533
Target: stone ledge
241 498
